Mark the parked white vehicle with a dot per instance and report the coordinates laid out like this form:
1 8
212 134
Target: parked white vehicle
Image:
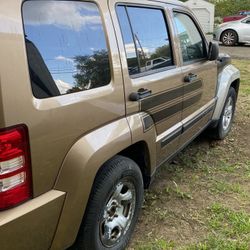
160 61
231 33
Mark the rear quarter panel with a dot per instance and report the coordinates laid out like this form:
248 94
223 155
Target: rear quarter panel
56 123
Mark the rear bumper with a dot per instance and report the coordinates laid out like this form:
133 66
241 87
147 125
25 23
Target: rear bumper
31 225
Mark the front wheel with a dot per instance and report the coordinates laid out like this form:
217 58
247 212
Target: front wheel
113 206
226 119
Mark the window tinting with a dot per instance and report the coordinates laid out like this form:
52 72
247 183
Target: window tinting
66 47
192 44
145 37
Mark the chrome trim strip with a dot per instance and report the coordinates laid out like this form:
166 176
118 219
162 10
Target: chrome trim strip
169 132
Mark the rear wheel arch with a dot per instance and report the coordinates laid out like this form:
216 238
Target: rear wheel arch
139 153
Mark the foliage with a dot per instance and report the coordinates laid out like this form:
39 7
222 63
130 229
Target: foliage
230 7
161 51
93 70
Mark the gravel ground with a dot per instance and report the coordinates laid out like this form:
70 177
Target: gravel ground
237 52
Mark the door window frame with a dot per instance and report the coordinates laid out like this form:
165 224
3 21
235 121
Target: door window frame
168 29
204 40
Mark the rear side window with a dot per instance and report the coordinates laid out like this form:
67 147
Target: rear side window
66 47
146 38
192 44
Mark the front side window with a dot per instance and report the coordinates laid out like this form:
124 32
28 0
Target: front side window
66 47
191 41
146 38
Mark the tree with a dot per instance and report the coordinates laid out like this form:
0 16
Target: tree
163 51
230 7
93 71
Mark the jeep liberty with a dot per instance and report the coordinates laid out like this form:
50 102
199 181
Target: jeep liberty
94 97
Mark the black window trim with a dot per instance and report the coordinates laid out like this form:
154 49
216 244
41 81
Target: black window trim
205 43
155 71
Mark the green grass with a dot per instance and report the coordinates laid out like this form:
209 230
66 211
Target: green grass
227 187
235 224
244 67
230 230
157 244
177 192
216 243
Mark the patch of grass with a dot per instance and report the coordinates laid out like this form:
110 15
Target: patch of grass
247 169
178 193
246 91
244 67
216 243
161 214
223 166
157 244
233 224
225 187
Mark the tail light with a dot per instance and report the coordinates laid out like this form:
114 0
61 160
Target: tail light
15 167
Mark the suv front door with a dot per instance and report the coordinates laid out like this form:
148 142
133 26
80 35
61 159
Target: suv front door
199 74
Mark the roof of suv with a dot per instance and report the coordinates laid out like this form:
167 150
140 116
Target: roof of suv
175 2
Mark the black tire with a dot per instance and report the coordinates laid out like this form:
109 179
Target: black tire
229 38
224 125
116 172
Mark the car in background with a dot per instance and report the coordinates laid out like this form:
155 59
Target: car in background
241 14
157 62
232 33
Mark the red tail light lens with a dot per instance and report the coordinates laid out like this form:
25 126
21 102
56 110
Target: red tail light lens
15 168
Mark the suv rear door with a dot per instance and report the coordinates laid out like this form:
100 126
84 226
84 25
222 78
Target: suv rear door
199 74
144 36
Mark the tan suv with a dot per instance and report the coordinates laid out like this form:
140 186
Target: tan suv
94 96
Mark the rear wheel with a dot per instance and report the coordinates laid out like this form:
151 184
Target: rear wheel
229 38
113 207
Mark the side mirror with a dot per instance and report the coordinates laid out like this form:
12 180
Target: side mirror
213 51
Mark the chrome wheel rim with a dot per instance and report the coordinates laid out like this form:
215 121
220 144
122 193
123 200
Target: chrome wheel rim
229 38
228 114
118 213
